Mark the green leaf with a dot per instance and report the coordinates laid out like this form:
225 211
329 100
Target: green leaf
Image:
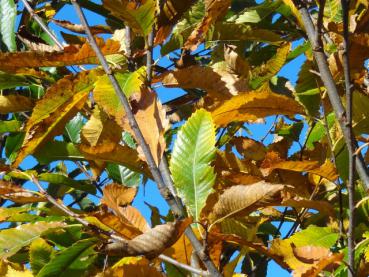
266 71
140 17
8 14
10 126
314 235
12 240
56 178
13 80
58 150
71 262
193 151
306 90
318 132
39 253
73 128
123 175
258 13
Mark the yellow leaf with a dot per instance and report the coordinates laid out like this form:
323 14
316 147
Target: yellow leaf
251 106
15 103
60 103
116 196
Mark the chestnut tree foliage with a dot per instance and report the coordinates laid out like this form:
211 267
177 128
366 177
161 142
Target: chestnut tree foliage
232 192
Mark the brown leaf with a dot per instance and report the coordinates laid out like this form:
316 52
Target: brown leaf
134 217
322 264
112 152
122 227
241 200
249 148
71 55
151 118
15 103
310 254
214 9
152 243
217 82
327 170
321 206
116 196
235 63
78 28
250 106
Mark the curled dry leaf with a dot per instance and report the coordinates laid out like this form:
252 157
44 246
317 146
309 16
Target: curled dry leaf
243 199
321 206
71 55
151 243
15 103
214 9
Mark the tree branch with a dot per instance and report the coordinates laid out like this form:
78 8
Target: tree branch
145 148
332 91
350 146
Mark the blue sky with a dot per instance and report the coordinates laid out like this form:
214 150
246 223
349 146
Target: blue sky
149 193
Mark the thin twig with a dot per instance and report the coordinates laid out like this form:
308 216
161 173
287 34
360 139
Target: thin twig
165 192
319 24
350 146
65 209
42 24
332 91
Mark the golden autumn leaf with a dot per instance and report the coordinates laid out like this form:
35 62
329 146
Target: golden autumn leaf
78 28
131 266
99 128
106 219
243 199
60 103
134 217
15 103
326 170
151 243
250 106
71 55
116 196
310 254
113 152
321 206
214 9
316 268
151 118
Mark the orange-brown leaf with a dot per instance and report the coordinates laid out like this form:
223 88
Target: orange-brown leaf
15 193
71 55
15 103
116 196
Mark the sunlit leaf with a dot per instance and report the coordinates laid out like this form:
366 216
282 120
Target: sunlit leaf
192 154
60 103
138 15
250 106
12 240
40 253
73 260
15 103
8 15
